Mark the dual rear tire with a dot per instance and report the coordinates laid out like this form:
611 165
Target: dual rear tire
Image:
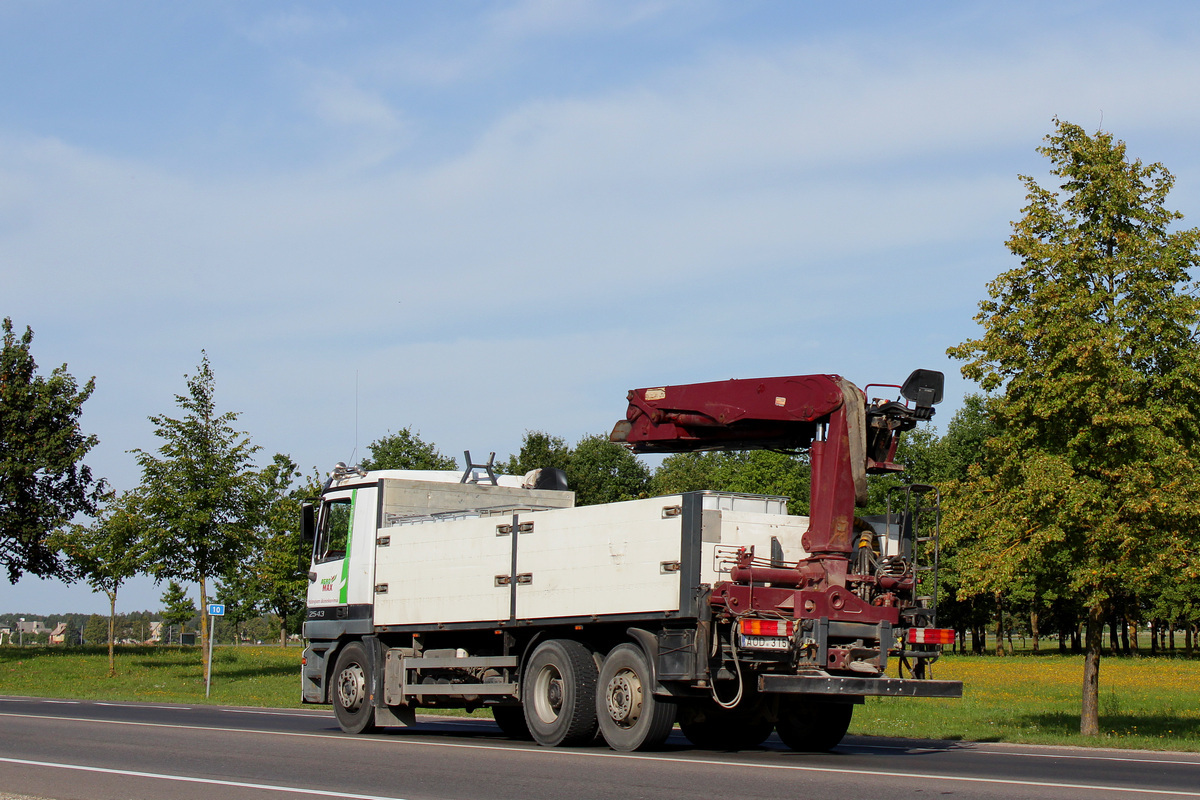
568 699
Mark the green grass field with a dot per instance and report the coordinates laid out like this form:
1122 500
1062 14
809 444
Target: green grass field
242 676
1149 703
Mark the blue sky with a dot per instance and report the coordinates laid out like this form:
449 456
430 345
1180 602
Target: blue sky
495 217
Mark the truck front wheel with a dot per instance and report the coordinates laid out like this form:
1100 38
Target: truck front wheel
352 690
558 693
812 726
631 717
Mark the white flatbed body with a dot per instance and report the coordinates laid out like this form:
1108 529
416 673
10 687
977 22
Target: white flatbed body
452 555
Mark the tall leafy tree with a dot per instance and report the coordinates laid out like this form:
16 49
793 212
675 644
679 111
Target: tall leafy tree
275 569
43 480
198 489
600 471
106 554
1091 345
405 450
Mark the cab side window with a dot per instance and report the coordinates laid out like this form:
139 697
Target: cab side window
333 531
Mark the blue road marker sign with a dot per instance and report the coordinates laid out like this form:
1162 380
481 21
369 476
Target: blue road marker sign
216 609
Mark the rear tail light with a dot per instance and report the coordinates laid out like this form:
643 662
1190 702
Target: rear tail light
931 636
766 627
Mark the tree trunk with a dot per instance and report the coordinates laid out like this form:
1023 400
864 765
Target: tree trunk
1153 637
1171 636
1125 635
1033 630
112 622
203 631
1076 641
999 624
1089 719
1187 638
1137 647
976 640
1114 644
282 631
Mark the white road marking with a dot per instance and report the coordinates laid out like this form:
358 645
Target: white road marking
556 753
64 702
275 713
136 705
187 779
1082 757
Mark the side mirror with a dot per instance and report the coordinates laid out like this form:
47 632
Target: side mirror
924 387
308 523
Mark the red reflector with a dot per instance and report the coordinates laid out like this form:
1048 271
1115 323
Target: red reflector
931 636
766 627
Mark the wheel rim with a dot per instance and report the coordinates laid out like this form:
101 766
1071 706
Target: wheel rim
623 696
548 694
352 687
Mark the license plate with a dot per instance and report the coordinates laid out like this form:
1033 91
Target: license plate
762 642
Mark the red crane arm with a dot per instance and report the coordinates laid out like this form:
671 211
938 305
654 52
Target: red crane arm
823 413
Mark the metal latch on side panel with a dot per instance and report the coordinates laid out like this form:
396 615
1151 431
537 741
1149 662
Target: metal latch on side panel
525 578
503 530
525 527
383 541
381 588
671 511
503 580
667 567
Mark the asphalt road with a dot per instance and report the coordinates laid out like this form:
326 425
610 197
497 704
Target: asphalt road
64 749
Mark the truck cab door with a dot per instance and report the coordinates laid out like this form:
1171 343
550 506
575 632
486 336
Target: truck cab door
329 573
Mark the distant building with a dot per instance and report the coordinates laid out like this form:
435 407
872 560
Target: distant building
59 634
155 632
34 627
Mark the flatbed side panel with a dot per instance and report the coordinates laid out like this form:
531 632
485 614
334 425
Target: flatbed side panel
725 531
442 572
615 558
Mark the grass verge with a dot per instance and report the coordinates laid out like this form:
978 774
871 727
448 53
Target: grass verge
242 676
1145 702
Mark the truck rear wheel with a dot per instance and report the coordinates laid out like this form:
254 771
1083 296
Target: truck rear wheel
631 717
558 693
812 726
511 721
712 727
352 690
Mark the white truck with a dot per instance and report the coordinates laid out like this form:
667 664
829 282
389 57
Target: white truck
715 610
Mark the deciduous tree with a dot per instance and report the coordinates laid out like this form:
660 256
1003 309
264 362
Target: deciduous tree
107 553
275 568
197 491
600 471
43 480
405 450
1091 345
